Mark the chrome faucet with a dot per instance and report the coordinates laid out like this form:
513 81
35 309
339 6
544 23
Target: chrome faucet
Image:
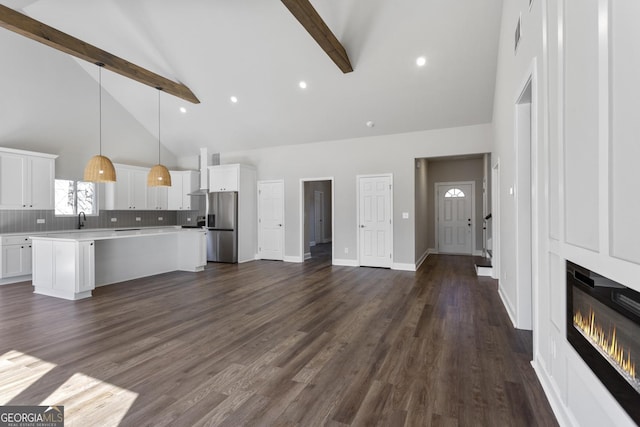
81 219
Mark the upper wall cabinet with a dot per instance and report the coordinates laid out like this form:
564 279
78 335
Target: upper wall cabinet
182 184
130 189
158 198
26 179
224 177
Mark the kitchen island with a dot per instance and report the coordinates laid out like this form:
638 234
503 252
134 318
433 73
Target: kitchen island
71 265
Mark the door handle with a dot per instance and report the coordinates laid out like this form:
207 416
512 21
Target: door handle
361 226
279 225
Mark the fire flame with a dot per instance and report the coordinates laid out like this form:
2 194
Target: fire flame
608 344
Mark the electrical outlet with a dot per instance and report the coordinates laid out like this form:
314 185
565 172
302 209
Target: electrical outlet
189 219
346 250
40 221
114 219
160 218
138 218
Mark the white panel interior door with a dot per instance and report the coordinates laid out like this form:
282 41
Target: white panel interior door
271 220
318 207
455 218
375 221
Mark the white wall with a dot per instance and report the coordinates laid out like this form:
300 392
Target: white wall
30 121
421 208
580 174
345 159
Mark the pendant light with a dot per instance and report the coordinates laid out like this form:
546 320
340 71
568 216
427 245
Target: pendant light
100 168
159 174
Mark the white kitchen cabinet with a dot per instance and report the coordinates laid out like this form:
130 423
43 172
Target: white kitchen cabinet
26 179
130 189
224 177
16 256
64 269
70 265
157 198
86 276
183 183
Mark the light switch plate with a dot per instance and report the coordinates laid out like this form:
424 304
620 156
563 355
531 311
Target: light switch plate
160 218
405 215
138 218
114 219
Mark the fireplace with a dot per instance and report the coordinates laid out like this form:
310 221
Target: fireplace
603 326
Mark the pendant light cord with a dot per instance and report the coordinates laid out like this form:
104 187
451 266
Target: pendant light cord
100 104
159 89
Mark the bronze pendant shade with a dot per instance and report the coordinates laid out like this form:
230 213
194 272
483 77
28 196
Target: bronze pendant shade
99 168
159 174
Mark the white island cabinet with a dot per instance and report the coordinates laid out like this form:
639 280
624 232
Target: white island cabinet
64 268
71 265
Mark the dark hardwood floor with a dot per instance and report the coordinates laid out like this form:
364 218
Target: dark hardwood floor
271 343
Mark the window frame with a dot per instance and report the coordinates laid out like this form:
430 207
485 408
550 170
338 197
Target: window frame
75 199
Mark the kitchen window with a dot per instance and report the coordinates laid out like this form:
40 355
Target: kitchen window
73 197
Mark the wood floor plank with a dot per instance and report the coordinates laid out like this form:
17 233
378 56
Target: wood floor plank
272 343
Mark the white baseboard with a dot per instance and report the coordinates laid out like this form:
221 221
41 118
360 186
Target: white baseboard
403 266
422 259
292 259
477 252
307 256
564 418
346 262
17 279
432 251
507 306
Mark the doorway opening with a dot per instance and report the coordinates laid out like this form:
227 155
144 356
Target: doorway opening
317 219
495 222
524 206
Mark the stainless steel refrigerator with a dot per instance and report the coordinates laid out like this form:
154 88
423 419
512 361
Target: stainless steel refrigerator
222 223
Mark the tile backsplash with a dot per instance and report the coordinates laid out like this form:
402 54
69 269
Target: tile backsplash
18 221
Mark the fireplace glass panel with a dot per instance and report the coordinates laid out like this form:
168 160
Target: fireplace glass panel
613 336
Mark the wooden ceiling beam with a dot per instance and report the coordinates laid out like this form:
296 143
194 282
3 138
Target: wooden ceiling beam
307 15
40 32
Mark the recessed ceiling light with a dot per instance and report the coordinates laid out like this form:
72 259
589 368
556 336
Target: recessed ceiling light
234 99
183 110
302 84
370 124
421 61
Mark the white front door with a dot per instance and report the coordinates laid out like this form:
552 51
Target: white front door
375 224
455 220
271 220
318 207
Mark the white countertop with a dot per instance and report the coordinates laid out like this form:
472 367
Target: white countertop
106 234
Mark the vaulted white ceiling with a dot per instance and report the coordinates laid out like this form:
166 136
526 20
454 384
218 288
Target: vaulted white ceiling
257 51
